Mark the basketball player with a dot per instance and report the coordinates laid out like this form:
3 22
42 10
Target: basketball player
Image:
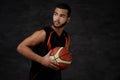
36 47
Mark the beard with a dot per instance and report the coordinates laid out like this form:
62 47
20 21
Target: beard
60 26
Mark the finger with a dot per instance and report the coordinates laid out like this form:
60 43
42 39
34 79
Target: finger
54 62
54 66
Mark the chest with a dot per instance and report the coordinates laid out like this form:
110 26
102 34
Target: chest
56 40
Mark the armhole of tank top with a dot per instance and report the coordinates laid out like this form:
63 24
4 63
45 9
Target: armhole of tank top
47 31
43 28
46 34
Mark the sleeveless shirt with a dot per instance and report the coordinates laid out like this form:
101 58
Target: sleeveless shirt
52 40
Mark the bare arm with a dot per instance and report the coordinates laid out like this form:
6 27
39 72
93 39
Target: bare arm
24 48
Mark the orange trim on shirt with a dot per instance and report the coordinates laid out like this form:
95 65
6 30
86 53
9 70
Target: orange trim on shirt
49 44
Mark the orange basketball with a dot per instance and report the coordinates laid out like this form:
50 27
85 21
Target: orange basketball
62 56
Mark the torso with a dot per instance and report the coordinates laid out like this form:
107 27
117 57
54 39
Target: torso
42 49
55 41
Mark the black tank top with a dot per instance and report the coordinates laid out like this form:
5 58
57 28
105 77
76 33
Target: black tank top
52 40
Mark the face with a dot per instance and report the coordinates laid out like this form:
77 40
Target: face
60 17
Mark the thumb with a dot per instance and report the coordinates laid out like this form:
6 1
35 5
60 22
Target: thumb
49 53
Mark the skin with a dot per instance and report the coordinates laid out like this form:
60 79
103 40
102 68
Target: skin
60 17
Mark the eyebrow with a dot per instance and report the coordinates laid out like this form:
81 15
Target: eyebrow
60 14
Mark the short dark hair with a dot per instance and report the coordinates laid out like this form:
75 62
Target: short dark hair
64 6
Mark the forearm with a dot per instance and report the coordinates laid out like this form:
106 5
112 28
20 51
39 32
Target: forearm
28 53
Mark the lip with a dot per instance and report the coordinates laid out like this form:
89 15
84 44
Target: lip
56 22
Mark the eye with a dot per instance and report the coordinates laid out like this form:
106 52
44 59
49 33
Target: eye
55 14
62 15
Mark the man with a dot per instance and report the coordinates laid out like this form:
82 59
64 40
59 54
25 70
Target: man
37 46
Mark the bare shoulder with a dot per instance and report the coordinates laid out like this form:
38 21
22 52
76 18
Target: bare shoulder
36 38
39 35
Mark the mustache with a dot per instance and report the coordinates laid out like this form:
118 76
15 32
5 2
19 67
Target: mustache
57 21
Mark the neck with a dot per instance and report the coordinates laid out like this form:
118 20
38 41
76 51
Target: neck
58 30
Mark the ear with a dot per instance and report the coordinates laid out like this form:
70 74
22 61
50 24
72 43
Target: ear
68 20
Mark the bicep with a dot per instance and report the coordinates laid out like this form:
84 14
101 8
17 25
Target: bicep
36 38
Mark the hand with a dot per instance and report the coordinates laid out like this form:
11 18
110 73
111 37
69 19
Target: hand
47 62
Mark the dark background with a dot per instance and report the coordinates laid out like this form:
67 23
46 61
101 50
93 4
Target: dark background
94 37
